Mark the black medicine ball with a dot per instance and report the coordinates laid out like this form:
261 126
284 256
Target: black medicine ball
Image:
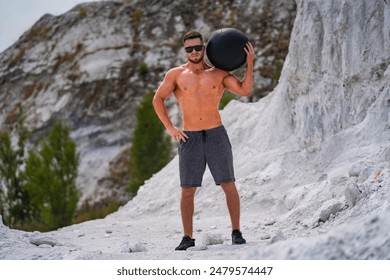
225 49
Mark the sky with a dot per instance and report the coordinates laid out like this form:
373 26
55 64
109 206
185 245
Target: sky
17 16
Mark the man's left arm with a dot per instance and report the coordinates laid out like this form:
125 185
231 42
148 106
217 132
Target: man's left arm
244 87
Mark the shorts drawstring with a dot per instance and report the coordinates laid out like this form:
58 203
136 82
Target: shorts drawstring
204 133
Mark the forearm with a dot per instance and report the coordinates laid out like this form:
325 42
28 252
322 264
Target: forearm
247 82
243 87
161 111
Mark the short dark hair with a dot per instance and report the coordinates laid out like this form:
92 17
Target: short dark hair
192 35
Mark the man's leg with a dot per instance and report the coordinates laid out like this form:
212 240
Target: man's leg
233 203
187 209
187 213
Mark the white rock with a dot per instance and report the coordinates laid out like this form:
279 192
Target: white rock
212 238
279 236
38 239
270 222
265 237
132 248
352 195
328 208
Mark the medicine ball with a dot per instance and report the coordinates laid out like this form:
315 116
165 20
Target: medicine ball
225 49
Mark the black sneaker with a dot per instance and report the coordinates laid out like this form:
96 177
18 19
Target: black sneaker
237 237
185 243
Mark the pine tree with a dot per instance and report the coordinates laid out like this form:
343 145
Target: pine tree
51 178
15 206
8 166
151 147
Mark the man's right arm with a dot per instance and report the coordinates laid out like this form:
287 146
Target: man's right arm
163 92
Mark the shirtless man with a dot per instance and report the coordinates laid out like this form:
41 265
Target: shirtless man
198 89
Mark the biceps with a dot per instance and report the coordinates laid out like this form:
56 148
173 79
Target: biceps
232 84
165 89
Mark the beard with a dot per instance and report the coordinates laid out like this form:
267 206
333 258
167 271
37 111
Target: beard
196 60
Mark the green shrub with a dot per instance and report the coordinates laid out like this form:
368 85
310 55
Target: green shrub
50 176
137 15
143 69
82 12
226 98
151 147
101 209
15 207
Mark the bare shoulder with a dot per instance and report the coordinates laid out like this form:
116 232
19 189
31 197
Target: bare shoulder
174 72
218 72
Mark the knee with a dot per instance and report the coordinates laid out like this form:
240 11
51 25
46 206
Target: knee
188 193
229 187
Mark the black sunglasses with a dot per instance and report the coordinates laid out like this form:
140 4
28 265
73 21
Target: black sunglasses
197 48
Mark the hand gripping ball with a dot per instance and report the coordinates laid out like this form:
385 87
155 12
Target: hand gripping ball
225 49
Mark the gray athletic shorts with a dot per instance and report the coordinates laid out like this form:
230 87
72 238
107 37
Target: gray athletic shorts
211 147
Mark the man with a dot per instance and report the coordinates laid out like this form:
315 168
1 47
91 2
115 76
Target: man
198 89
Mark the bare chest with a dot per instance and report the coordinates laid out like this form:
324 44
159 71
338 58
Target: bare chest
203 83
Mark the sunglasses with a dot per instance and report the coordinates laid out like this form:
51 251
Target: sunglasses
197 48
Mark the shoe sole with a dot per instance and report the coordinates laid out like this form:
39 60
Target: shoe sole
237 243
